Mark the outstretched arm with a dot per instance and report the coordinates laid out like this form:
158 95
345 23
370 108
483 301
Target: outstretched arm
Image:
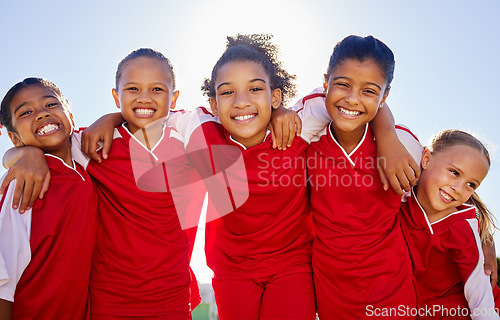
29 167
396 166
101 130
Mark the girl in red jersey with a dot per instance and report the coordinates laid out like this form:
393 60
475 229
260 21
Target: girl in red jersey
442 231
260 254
45 254
140 268
141 264
361 265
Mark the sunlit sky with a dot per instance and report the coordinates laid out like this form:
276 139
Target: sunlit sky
447 54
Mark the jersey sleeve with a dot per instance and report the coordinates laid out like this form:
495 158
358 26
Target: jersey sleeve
15 250
179 120
410 141
76 149
468 256
312 111
186 122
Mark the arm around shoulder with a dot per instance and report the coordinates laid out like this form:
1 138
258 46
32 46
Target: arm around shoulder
397 167
29 168
100 131
285 124
312 111
13 154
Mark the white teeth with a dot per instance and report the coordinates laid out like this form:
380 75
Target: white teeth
144 112
447 196
48 128
349 112
245 117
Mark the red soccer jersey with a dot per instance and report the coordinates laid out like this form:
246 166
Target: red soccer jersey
55 283
361 263
447 263
141 264
269 231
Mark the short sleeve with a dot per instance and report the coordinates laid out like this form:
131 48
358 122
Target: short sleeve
410 141
76 149
468 256
179 120
315 118
186 122
15 251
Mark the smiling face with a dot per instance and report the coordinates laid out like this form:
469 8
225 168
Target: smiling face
40 119
449 177
355 91
145 92
243 101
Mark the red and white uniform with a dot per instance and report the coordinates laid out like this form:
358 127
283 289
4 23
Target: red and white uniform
58 234
264 239
141 264
448 263
361 263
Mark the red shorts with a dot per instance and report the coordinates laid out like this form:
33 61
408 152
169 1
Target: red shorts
171 317
278 297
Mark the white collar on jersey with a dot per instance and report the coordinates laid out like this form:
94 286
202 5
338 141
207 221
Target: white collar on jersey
414 196
348 156
241 145
422 211
65 164
133 136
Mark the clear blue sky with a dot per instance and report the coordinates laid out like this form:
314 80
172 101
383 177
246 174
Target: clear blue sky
447 53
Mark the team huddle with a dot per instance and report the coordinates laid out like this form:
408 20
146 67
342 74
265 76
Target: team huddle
324 209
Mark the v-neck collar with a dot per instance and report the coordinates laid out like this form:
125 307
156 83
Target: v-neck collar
348 155
132 136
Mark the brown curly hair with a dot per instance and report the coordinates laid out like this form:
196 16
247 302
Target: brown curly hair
255 48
